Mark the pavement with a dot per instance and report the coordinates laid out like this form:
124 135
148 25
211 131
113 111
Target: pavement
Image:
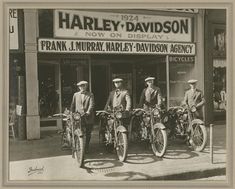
43 159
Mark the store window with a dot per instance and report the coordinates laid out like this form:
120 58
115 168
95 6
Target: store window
219 85
72 71
219 69
180 73
48 90
155 67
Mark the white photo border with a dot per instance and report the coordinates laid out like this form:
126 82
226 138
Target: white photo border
229 5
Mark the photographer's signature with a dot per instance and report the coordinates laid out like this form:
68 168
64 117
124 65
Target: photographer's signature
35 170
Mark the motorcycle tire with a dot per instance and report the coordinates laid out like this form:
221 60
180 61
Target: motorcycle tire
159 144
79 150
199 138
122 146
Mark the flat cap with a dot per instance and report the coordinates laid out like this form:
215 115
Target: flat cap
82 83
149 78
191 81
117 80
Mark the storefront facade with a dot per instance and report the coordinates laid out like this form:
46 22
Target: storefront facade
215 60
63 47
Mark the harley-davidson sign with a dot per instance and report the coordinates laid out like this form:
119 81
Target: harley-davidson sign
123 47
117 26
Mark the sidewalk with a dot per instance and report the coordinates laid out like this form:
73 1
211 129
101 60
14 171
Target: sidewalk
179 162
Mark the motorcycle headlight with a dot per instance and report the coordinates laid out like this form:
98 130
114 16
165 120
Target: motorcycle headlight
76 116
146 119
110 122
193 109
165 119
179 111
185 116
118 115
156 112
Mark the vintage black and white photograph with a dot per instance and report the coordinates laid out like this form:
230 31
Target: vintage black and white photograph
117 94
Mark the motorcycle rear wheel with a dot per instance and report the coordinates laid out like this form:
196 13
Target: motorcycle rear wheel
79 150
159 144
198 138
122 146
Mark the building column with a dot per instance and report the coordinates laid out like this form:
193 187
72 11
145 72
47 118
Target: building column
200 63
31 69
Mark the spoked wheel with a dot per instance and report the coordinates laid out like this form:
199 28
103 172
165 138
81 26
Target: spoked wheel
198 137
159 142
65 141
79 150
122 146
63 138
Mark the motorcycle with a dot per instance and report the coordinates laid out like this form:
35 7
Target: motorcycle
73 134
147 125
112 132
182 123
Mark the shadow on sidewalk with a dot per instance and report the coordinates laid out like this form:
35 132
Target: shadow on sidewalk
129 175
49 145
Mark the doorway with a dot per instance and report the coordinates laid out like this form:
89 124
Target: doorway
133 69
72 71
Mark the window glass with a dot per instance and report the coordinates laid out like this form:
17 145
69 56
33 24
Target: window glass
219 85
48 93
72 71
180 73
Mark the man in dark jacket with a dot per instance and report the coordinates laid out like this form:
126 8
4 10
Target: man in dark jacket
194 97
150 96
83 102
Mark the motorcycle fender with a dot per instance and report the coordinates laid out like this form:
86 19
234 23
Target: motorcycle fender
197 121
78 133
159 125
121 129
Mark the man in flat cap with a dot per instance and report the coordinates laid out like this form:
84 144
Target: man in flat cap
194 97
119 97
83 102
150 96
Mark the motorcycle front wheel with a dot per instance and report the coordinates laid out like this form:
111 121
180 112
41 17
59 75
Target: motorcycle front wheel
79 150
198 137
122 146
159 142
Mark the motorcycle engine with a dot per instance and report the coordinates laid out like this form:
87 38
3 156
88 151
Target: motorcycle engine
108 137
181 124
144 133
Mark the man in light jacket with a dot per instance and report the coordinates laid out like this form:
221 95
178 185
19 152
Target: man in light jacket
194 97
83 102
119 97
150 96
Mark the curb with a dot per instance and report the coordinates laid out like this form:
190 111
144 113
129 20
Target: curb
191 175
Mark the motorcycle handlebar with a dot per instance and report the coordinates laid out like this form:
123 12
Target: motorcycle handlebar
138 109
99 112
63 115
59 115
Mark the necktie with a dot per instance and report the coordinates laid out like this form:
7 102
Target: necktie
117 92
148 94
